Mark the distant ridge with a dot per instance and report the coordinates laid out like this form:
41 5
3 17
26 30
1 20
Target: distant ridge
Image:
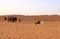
27 15
35 18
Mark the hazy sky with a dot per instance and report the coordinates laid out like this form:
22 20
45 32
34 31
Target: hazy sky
30 7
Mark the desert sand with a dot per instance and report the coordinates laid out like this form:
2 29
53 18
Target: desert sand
27 29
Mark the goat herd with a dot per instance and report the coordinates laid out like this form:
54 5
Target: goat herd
14 19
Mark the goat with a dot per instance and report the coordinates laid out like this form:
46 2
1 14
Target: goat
10 18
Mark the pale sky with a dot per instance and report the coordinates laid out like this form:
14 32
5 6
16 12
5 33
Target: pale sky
30 7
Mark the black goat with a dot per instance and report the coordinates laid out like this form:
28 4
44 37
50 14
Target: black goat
10 18
38 22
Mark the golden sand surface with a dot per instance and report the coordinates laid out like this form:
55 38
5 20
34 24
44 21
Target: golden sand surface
27 29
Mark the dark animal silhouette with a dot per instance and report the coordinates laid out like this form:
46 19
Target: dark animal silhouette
10 18
19 20
38 22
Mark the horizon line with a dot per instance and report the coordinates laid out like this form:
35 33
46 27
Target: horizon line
30 15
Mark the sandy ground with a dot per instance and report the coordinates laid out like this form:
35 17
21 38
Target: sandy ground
28 30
